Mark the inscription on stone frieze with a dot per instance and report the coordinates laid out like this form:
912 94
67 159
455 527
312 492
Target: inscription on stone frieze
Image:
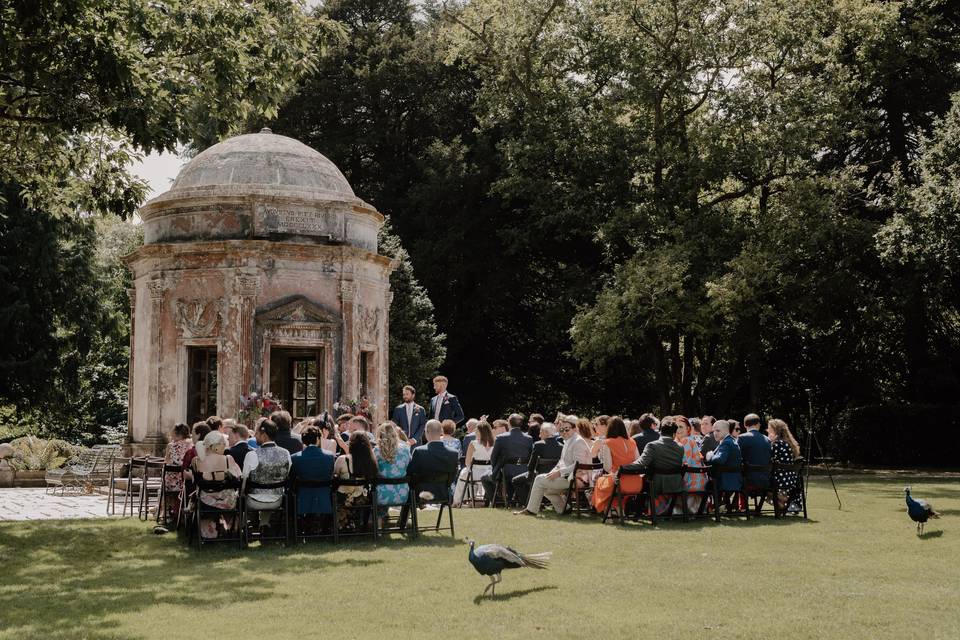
300 221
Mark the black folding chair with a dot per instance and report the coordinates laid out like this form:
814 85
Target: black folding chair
283 509
673 496
735 502
169 497
758 495
446 479
579 490
705 494
471 483
396 525
621 497
504 476
361 516
799 467
152 486
303 519
202 510
543 465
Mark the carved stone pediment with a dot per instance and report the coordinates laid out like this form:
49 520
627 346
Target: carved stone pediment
298 310
199 317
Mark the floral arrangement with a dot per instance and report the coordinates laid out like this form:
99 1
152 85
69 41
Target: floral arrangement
344 406
255 405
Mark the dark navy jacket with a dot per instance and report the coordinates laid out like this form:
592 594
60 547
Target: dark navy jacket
415 428
313 463
727 454
510 445
429 459
755 450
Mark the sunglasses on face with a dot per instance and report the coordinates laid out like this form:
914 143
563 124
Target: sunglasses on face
565 429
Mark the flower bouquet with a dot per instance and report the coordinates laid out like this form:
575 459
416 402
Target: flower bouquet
255 406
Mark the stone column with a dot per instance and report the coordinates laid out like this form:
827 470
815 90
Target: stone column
349 378
248 287
132 296
154 438
385 389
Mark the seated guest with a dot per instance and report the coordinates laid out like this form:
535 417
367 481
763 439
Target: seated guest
393 457
510 455
554 485
432 458
312 463
616 450
755 451
468 437
550 447
660 456
692 482
647 432
480 448
216 424
343 426
200 431
286 439
727 454
267 464
534 422
449 440
212 464
252 440
785 450
329 438
600 434
708 442
358 464
695 430
237 440
180 443
585 429
500 427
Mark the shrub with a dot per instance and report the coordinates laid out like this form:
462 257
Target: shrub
36 454
897 435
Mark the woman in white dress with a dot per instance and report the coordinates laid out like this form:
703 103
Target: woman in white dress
479 449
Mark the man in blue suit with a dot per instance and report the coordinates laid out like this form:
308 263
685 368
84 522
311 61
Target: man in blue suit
727 454
430 459
313 463
410 417
755 450
507 449
444 405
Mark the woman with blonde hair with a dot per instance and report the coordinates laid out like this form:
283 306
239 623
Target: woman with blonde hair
785 450
393 456
212 464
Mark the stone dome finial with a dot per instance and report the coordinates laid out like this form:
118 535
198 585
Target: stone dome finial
266 130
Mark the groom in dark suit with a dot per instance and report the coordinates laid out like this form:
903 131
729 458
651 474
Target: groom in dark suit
445 406
410 416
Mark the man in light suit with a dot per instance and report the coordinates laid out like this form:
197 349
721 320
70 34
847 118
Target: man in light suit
445 406
550 447
553 485
755 451
410 417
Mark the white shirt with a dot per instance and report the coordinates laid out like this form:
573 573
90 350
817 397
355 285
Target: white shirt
436 411
409 406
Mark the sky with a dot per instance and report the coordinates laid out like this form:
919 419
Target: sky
159 169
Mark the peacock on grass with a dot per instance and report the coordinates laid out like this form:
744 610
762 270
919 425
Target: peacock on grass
919 511
491 559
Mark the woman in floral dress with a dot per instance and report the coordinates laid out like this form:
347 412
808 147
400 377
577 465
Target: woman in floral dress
393 456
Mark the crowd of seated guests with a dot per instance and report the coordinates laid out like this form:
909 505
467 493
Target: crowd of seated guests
506 454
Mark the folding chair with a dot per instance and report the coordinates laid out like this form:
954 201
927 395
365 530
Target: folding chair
152 485
169 497
433 479
580 489
758 496
119 481
673 496
472 482
136 470
620 496
283 508
410 504
365 514
202 510
740 507
74 473
504 476
799 466
300 532
705 495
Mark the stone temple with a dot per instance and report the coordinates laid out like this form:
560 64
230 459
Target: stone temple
259 272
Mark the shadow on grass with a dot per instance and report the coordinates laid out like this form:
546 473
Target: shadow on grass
929 535
76 578
698 523
510 595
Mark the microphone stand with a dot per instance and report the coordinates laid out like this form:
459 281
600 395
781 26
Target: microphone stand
812 435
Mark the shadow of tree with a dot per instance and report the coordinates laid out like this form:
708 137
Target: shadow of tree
510 595
74 578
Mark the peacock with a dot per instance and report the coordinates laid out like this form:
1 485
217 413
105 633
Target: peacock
491 559
919 511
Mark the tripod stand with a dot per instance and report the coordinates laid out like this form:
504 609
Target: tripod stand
811 439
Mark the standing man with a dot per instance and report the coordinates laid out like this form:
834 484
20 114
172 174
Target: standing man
410 416
445 406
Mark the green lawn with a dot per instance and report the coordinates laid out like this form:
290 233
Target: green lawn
857 573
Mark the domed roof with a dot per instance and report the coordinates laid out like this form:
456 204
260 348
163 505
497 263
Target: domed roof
264 160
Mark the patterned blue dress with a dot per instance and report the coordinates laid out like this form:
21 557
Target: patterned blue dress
393 493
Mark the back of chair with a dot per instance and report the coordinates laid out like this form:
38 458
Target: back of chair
250 485
545 465
213 486
476 462
85 461
584 473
